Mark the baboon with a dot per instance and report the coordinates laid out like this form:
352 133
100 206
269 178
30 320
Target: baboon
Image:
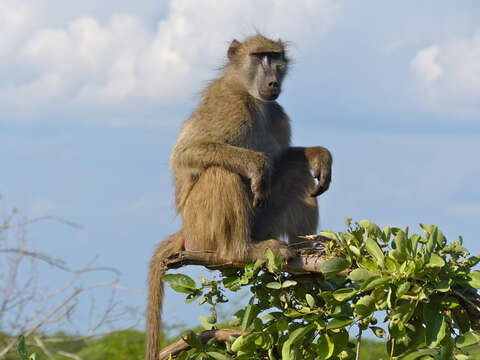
239 185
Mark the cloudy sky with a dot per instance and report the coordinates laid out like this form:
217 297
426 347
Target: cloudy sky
92 95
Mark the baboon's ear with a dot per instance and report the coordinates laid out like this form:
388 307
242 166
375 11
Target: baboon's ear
233 48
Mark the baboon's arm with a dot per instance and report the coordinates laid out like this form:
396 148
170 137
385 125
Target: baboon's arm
238 160
251 164
319 161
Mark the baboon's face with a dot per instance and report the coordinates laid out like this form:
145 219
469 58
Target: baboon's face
270 69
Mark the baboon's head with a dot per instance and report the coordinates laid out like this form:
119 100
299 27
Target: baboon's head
260 64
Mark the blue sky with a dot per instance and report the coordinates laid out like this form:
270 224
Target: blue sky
92 95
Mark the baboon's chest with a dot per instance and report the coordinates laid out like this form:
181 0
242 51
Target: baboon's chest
262 138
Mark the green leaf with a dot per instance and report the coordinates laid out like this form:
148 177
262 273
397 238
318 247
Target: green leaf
374 250
391 263
329 234
427 228
274 285
295 354
418 353
413 241
354 250
193 340
207 325
335 265
310 300
230 281
218 356
193 296
399 246
473 260
292 313
402 289
378 331
474 279
443 285
436 324
288 283
374 282
446 349
339 340
271 261
461 318
180 283
370 227
251 311
258 264
467 339
387 231
294 337
364 306
21 348
432 240
239 343
368 264
436 261
344 294
360 275
339 322
325 346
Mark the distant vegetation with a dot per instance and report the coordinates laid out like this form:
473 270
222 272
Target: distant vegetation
130 345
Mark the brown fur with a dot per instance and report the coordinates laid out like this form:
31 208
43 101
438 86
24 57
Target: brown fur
238 182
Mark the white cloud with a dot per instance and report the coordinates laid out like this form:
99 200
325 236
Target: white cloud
425 64
449 75
15 20
91 61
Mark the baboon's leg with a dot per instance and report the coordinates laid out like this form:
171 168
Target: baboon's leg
217 215
290 208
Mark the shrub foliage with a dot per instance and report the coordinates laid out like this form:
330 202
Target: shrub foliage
420 287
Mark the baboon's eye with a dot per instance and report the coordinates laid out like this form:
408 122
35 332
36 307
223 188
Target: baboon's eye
270 55
256 57
275 55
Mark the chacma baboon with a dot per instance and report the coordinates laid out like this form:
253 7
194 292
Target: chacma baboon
239 184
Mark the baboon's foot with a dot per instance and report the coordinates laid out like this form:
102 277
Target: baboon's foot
257 249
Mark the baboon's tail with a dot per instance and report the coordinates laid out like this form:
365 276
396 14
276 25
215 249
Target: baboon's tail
172 245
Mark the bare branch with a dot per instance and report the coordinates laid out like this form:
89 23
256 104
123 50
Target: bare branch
7 225
59 263
28 306
69 355
42 346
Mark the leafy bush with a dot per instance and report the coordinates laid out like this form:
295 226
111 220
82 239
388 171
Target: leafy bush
125 345
22 350
423 287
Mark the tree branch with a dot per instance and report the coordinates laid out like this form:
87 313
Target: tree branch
302 264
221 335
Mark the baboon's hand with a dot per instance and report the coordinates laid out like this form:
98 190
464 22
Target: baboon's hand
260 172
320 161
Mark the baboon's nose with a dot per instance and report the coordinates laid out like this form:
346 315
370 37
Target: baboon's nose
273 84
